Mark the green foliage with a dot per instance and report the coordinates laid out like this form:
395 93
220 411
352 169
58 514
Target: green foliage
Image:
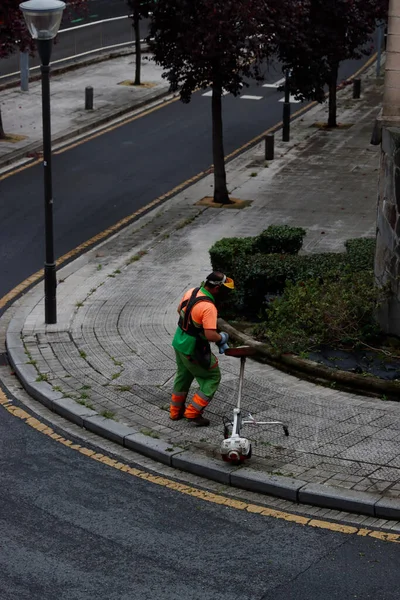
262 265
336 311
280 239
300 301
227 253
360 253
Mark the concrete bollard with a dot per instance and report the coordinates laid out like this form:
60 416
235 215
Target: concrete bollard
89 98
269 146
356 89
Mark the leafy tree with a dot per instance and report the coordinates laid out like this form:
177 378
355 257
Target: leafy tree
14 34
328 32
217 44
141 9
13 31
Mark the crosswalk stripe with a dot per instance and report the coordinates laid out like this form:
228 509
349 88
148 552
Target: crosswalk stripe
292 100
209 93
245 97
274 85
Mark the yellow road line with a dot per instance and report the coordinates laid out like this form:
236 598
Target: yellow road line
190 490
127 220
116 125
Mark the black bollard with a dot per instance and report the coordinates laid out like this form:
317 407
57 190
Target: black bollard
286 110
269 146
89 98
356 89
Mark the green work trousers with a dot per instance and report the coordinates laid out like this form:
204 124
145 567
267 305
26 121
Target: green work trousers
188 370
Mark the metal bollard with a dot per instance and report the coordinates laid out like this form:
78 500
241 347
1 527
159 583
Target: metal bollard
286 122
356 88
286 110
269 146
89 98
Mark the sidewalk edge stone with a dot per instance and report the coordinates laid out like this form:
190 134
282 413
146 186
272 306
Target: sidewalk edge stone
205 466
112 430
264 483
339 499
388 508
71 410
152 447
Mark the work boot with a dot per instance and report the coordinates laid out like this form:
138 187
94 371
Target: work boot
199 421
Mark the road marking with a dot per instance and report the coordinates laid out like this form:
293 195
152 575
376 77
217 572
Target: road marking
209 93
182 488
274 85
21 287
292 100
246 97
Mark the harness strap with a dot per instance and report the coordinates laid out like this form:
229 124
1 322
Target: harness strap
189 304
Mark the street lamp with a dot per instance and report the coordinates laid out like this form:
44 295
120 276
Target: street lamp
43 18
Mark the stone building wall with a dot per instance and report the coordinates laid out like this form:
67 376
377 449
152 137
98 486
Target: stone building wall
387 260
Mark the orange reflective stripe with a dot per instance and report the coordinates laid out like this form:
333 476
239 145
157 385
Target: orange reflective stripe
197 404
191 412
178 399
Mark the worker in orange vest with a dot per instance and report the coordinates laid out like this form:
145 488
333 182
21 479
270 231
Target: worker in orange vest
197 327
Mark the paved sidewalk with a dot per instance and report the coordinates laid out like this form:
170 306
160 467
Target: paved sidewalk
22 111
110 352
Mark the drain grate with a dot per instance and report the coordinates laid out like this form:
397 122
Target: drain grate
4 359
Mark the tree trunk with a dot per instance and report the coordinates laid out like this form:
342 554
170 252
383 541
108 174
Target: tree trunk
332 122
2 132
221 195
138 51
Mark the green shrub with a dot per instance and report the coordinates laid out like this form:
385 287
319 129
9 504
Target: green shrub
324 265
227 253
268 274
360 253
258 275
280 239
335 312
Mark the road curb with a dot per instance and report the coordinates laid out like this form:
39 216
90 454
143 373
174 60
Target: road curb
72 63
313 371
13 157
292 489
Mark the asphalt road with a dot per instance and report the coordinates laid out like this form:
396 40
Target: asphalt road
74 529
105 179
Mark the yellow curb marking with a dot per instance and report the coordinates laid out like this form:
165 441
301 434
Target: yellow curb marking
189 490
127 220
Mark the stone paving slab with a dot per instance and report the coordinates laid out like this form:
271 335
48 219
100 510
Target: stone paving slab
110 351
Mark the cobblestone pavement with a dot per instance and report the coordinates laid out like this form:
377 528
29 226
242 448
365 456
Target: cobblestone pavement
111 348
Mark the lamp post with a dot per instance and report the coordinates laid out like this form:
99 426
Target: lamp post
43 18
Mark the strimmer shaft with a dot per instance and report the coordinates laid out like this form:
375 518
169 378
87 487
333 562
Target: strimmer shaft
241 380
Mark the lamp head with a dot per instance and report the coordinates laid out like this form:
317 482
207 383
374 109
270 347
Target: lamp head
43 17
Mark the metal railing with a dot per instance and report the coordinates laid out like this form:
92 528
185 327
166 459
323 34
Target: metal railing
75 42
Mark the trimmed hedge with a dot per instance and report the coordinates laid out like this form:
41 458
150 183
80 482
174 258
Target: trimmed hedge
268 274
227 253
280 239
261 274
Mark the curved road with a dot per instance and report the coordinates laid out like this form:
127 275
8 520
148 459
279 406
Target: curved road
72 528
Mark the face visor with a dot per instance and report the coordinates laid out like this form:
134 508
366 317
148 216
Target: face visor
226 282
